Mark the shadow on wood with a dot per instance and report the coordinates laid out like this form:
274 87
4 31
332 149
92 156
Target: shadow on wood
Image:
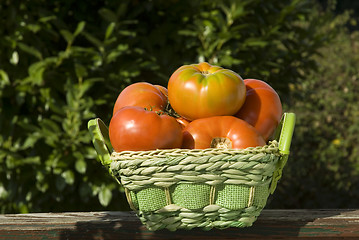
272 224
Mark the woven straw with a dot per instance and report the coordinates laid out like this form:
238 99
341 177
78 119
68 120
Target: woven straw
211 188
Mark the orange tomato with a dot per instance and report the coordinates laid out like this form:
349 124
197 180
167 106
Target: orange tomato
221 132
143 95
262 107
163 90
184 122
202 90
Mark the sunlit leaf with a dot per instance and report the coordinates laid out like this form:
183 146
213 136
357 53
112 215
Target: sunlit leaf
69 177
105 196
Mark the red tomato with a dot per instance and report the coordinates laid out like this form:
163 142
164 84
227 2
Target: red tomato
202 90
136 129
220 132
262 108
143 95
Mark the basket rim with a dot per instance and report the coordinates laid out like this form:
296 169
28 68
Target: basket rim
271 148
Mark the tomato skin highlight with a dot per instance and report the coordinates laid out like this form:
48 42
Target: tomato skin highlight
136 129
184 122
262 108
202 90
200 133
141 94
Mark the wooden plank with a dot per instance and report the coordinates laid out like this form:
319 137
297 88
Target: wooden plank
272 224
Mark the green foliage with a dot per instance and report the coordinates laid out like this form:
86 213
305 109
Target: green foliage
63 63
324 167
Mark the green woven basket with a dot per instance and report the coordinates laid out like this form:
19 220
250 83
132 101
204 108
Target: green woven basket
210 188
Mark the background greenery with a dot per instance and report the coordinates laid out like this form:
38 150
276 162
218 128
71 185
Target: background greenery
64 62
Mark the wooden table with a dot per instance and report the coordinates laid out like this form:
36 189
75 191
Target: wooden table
272 224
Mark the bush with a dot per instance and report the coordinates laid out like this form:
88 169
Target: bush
65 63
324 168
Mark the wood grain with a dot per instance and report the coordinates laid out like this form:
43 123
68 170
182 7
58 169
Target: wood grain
272 224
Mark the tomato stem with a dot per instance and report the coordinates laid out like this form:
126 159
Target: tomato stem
221 142
170 111
149 109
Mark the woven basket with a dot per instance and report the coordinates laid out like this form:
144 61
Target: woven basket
210 188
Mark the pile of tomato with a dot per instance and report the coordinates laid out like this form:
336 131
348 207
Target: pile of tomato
203 106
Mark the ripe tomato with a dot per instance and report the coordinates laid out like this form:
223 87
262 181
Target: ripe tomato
184 122
163 90
136 129
220 132
202 90
143 95
262 108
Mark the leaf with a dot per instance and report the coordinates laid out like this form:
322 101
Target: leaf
108 14
30 160
69 177
50 125
255 43
3 192
30 50
47 18
114 54
105 196
86 85
80 27
109 30
186 32
31 141
80 70
127 33
81 166
36 67
23 208
14 58
4 79
34 27
94 41
36 77
67 36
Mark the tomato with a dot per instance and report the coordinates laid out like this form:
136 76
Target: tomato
143 95
221 132
136 129
184 122
202 90
163 90
262 108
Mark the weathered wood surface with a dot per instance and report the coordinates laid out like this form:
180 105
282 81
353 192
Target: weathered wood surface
272 224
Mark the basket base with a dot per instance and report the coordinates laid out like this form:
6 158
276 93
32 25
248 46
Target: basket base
187 206
173 217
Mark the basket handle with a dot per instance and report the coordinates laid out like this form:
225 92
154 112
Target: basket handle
100 139
286 132
284 135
